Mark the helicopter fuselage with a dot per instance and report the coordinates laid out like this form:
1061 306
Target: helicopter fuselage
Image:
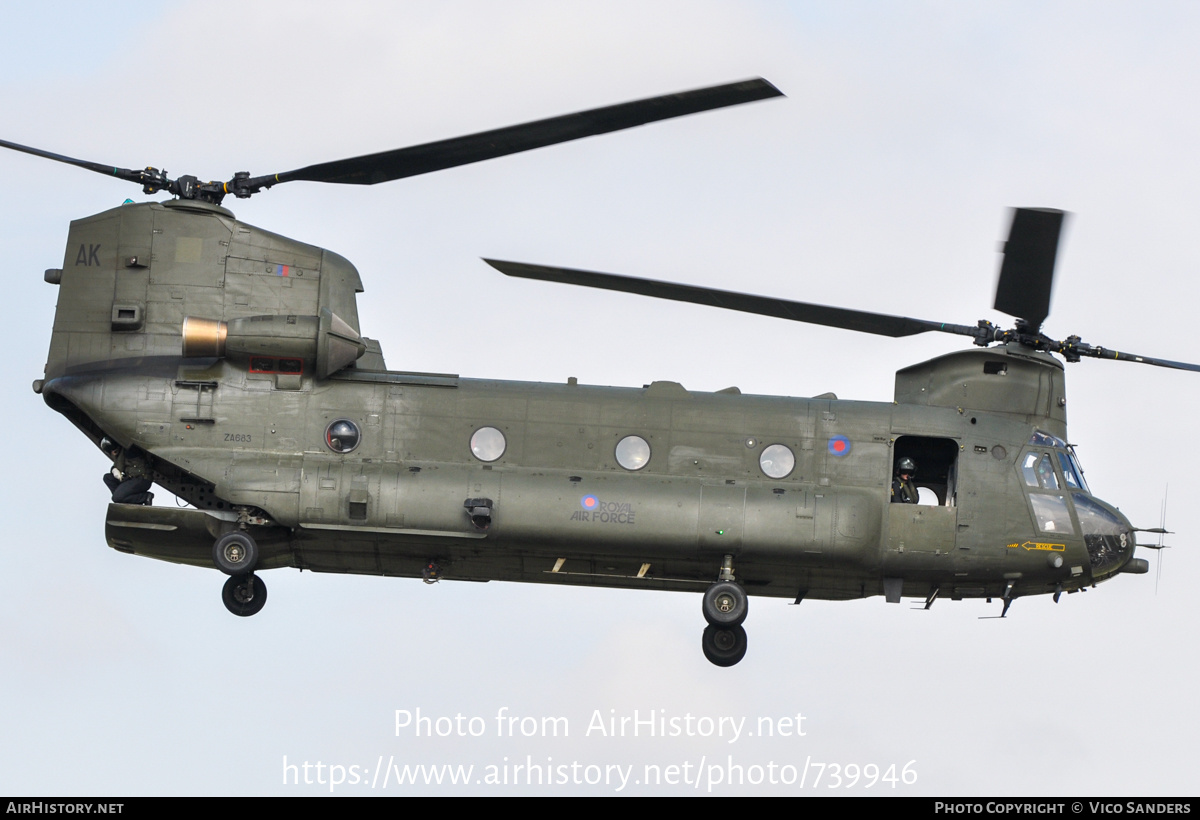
224 363
561 508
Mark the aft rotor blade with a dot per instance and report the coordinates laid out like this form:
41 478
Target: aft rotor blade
99 168
435 156
860 320
1027 272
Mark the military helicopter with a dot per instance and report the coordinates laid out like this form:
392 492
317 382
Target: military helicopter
226 364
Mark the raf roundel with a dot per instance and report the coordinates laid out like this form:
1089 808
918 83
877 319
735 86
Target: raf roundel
589 502
839 445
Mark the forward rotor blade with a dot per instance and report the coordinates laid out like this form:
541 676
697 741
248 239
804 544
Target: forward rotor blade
435 156
1097 352
860 320
1027 272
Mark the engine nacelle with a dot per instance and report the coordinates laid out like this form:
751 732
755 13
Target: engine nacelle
325 340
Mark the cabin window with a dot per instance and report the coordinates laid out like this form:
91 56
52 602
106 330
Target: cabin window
342 436
633 452
488 444
777 461
927 497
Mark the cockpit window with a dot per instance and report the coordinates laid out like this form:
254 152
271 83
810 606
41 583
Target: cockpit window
1068 471
1040 438
1051 513
1029 469
1046 473
1038 471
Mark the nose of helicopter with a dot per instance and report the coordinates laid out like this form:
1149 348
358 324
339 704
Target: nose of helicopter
1132 564
1109 538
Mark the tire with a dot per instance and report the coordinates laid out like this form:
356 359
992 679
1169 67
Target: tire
245 595
235 553
724 646
725 604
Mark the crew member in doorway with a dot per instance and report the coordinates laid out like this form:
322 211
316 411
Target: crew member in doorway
903 489
124 481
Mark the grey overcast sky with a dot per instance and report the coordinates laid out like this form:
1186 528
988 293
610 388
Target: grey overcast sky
881 182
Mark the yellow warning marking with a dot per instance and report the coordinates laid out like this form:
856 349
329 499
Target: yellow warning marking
1038 545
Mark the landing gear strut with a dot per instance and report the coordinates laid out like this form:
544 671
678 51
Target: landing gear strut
724 606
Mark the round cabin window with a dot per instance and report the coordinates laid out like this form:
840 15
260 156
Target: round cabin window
633 452
777 461
342 436
488 444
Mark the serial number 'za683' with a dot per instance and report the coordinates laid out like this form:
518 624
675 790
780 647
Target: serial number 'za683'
238 437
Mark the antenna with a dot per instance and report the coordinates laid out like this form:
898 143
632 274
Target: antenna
1162 526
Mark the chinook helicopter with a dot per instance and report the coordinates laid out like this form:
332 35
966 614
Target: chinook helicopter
225 364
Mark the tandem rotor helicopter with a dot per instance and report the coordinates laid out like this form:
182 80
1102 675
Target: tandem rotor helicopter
226 364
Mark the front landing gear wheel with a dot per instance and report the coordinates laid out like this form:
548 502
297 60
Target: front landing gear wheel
725 604
245 595
235 553
724 645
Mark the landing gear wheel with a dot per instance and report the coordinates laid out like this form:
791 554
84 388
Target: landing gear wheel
235 553
245 595
724 645
725 604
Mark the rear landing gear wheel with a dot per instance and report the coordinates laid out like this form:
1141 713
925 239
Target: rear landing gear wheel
724 645
725 604
245 595
235 553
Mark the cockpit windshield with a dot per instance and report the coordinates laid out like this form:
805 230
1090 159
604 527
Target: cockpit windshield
1069 473
1038 471
1078 470
1053 482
